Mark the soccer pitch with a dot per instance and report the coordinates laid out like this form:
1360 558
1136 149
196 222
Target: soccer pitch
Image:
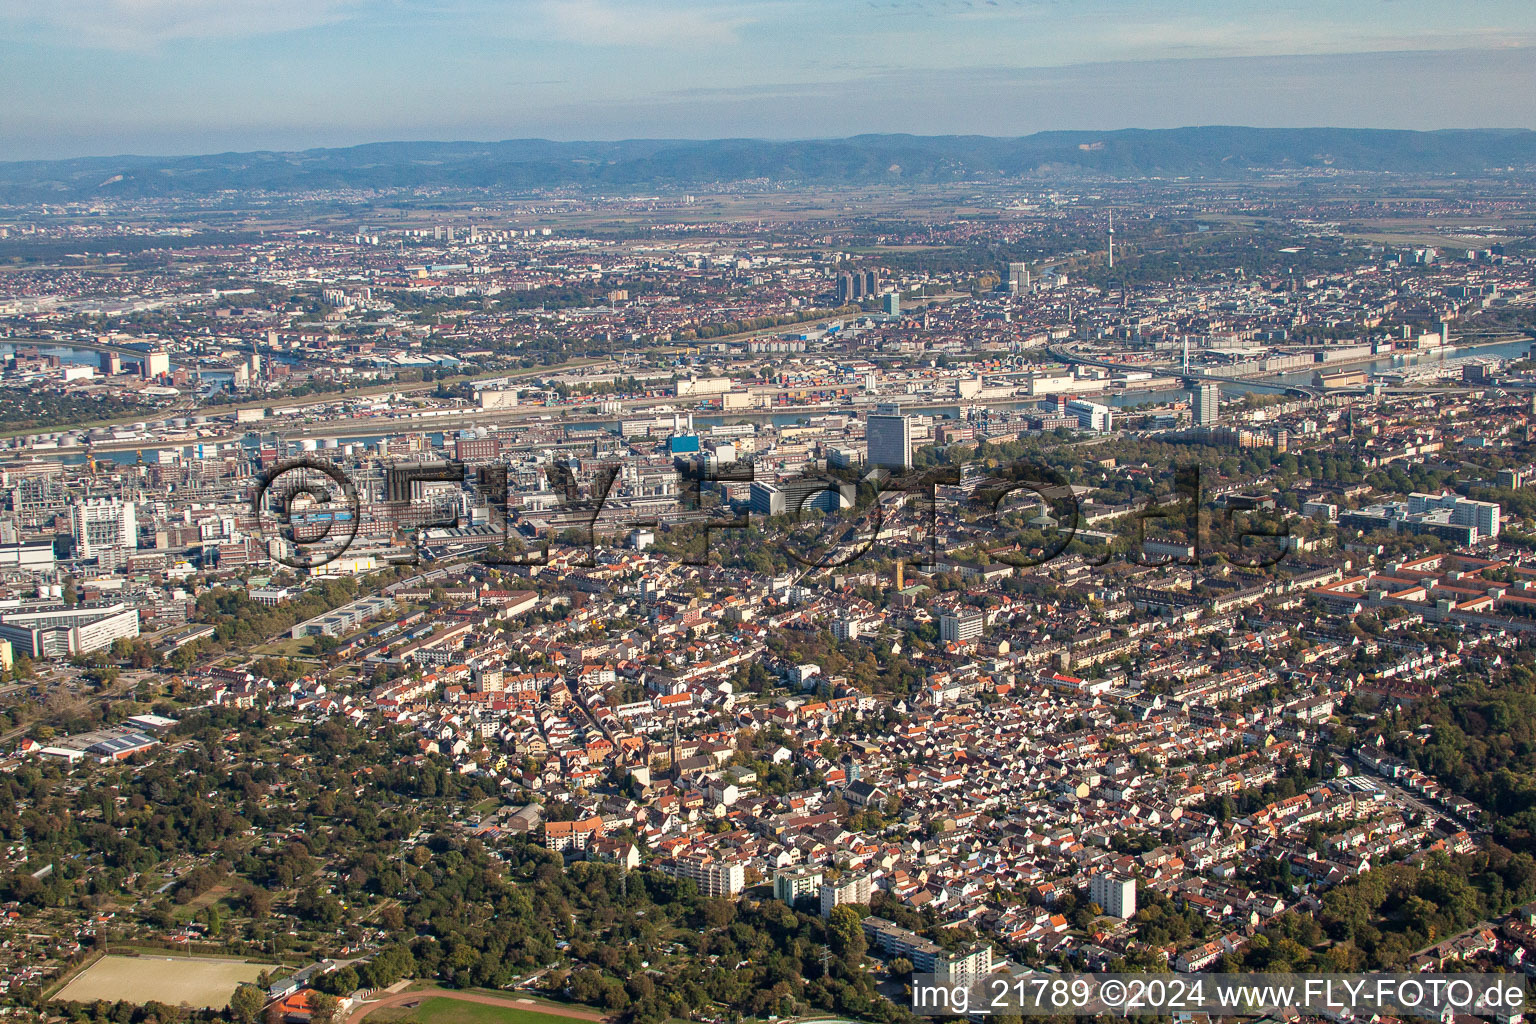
177 981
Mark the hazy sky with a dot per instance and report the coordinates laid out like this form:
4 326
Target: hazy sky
188 76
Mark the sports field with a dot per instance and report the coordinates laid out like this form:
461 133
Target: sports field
439 1010
465 1008
177 981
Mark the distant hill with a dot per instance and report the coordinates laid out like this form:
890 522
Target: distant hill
647 163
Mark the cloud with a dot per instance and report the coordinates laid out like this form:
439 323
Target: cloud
146 24
1195 38
628 23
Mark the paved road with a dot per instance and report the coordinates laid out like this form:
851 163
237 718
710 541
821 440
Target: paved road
513 1002
1410 798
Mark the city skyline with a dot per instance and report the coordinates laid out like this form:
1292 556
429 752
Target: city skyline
430 570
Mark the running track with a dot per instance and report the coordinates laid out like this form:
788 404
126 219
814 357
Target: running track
412 998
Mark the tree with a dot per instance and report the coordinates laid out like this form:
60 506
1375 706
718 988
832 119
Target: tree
183 658
845 933
246 1003
324 1008
258 903
214 920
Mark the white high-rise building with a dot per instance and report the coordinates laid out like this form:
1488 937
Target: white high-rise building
1018 278
854 887
1091 415
155 363
715 878
104 526
1484 515
961 627
1116 894
63 632
958 966
792 884
1205 403
889 434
